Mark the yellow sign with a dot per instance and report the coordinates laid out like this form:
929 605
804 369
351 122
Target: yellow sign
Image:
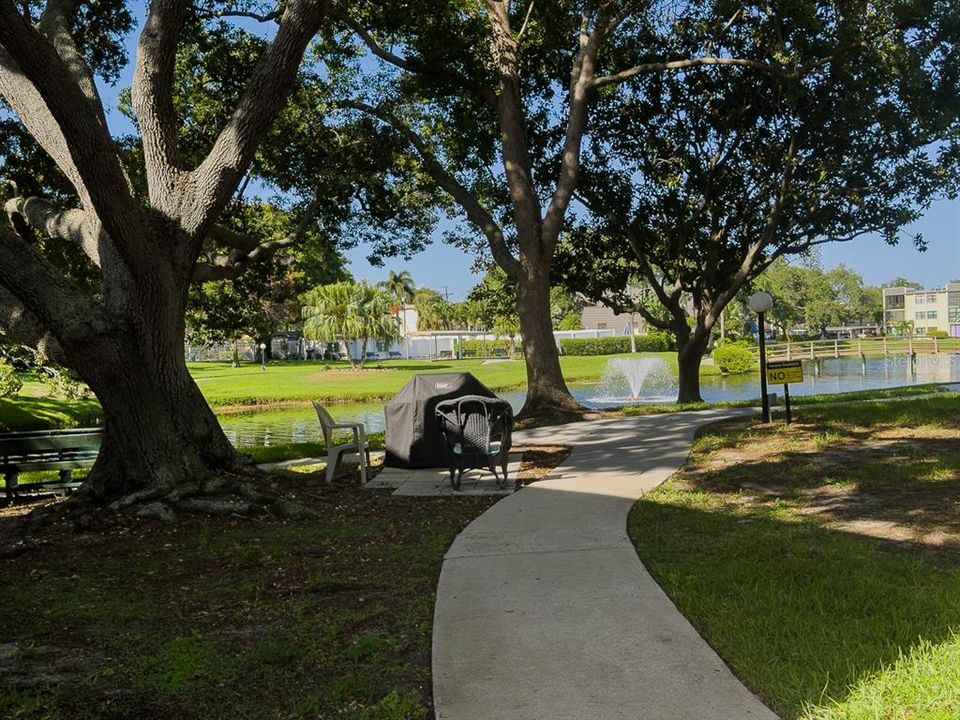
784 371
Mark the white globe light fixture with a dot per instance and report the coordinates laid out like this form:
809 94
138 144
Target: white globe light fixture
761 302
263 356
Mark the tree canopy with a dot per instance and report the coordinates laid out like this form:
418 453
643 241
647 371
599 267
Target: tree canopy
696 182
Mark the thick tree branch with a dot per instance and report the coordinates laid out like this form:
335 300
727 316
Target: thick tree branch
227 267
246 250
652 319
669 301
90 146
476 213
515 153
581 90
55 22
73 225
259 17
23 328
152 95
232 238
216 178
26 102
52 300
629 73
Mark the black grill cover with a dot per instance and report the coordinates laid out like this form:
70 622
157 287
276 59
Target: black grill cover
413 439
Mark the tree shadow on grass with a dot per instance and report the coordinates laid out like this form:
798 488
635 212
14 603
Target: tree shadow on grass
33 413
900 489
802 613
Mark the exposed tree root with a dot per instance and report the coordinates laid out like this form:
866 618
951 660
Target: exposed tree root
225 496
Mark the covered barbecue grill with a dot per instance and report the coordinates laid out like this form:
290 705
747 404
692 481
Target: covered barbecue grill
413 439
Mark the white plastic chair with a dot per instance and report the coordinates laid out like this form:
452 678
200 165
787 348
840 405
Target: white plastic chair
335 452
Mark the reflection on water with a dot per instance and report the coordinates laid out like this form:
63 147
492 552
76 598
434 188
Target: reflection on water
839 375
300 425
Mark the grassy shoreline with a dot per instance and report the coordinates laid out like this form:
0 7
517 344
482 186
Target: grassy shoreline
244 390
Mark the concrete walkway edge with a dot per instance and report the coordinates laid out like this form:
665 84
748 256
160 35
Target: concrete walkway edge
544 611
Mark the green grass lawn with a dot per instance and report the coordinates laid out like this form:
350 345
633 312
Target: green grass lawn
36 409
822 560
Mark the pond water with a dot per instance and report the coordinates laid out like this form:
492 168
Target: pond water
621 385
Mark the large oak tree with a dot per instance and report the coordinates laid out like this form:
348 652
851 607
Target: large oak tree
696 183
125 339
496 98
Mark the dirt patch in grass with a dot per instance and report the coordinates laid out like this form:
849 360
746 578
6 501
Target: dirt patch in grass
539 460
342 374
899 484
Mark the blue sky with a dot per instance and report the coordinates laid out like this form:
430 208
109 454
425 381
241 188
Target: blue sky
870 256
442 265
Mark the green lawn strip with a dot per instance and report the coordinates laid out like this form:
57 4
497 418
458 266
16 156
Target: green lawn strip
823 623
252 619
45 413
295 451
899 393
875 394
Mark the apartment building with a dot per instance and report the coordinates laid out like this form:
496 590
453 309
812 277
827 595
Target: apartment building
922 310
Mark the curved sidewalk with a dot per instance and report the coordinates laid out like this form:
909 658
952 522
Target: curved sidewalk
544 610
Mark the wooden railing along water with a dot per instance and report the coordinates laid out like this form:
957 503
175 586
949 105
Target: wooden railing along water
861 347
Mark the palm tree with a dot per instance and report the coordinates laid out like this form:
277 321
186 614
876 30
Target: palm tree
372 309
345 310
400 286
328 314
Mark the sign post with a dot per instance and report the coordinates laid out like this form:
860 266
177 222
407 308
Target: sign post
786 372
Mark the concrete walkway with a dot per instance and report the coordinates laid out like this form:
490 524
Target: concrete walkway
544 610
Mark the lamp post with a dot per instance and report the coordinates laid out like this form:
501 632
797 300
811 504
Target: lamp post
760 303
263 356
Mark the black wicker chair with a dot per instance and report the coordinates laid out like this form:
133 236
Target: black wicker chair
476 432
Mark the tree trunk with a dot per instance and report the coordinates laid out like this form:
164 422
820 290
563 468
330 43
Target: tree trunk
690 348
547 393
346 351
688 362
159 431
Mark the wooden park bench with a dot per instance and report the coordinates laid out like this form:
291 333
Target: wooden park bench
34 450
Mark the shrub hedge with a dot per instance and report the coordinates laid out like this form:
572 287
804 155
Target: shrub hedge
651 342
733 357
10 383
486 348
